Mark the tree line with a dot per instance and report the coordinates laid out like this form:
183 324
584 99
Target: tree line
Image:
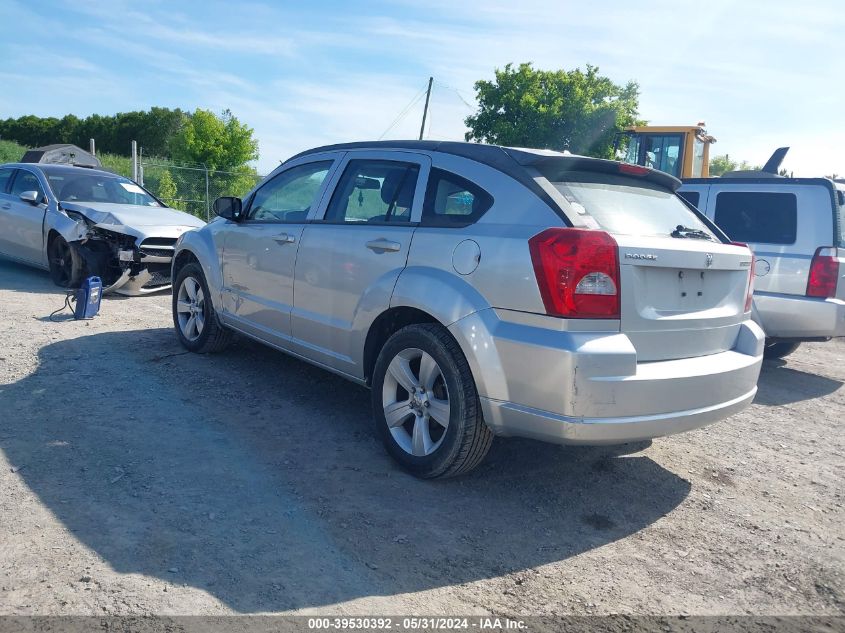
219 142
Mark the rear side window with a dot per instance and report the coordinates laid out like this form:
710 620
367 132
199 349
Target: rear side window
374 191
453 201
758 217
627 206
693 197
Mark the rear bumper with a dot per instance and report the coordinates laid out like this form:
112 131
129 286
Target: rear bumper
587 387
798 317
516 420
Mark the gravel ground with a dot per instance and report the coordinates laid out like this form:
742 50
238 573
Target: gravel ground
137 479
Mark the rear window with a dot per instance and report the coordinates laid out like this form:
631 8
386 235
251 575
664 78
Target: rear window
627 206
758 217
840 198
693 197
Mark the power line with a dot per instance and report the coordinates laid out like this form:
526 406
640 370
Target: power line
457 92
404 112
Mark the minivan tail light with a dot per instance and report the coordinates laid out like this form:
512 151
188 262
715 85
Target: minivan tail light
749 295
577 272
824 273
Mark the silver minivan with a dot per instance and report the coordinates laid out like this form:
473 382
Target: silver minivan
482 290
796 228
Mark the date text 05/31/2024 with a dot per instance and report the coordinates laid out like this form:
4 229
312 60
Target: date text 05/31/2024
479 623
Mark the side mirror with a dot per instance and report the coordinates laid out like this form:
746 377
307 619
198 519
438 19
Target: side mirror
32 197
228 207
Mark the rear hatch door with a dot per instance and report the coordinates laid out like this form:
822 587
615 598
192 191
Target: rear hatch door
683 287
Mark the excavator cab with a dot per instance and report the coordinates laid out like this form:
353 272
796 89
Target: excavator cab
683 151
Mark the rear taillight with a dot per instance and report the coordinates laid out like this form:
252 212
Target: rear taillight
824 273
577 271
749 296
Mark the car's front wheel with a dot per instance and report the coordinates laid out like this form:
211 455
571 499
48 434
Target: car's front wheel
66 266
426 405
194 317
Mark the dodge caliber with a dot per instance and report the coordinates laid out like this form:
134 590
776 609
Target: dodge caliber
481 291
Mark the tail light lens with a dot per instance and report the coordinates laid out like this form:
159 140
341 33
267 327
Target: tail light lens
824 273
749 296
577 272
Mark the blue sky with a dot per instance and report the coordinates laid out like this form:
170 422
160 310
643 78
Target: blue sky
303 74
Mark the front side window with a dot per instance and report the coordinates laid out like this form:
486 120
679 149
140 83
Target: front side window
627 206
374 191
25 181
288 197
452 200
5 177
757 217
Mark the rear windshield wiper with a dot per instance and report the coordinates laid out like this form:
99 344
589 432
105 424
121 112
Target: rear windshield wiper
685 231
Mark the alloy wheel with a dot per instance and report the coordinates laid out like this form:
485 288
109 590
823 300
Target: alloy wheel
416 402
190 308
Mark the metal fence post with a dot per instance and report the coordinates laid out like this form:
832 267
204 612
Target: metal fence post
135 161
207 202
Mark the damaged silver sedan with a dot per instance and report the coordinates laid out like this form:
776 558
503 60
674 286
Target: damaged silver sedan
76 222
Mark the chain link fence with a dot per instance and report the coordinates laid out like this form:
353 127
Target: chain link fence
193 188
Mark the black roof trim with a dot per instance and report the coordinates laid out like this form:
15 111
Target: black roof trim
739 182
511 161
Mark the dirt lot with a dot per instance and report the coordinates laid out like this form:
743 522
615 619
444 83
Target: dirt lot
136 479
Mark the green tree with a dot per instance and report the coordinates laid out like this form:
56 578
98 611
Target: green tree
167 188
719 165
559 109
218 142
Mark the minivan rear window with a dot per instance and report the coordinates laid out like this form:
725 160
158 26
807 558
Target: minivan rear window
626 205
758 217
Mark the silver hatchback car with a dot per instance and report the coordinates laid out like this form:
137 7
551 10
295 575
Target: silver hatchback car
481 291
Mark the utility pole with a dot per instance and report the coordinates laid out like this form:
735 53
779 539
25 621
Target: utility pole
425 110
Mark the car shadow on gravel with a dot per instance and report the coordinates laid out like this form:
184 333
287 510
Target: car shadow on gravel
780 384
256 478
21 278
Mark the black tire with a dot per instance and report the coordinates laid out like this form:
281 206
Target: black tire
214 337
466 439
66 265
779 349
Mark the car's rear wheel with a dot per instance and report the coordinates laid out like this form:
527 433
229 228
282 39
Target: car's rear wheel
779 349
66 266
426 405
194 317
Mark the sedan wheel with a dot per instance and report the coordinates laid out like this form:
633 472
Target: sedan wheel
65 265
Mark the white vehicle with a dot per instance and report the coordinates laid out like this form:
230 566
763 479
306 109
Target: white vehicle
796 228
76 222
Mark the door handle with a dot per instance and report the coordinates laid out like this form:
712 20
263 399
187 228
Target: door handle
5 205
382 245
284 238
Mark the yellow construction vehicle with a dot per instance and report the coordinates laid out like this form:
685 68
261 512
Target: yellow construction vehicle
683 151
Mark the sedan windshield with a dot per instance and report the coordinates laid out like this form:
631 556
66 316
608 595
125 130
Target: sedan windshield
73 186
